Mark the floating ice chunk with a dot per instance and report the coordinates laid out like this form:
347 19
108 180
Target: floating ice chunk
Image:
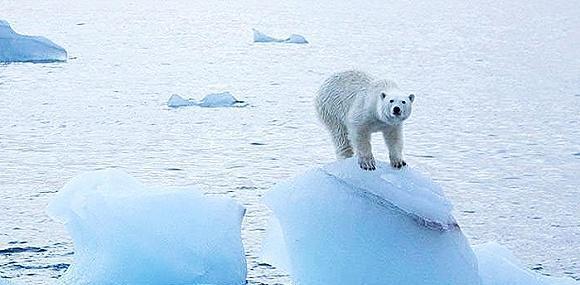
214 100
260 37
296 39
125 233
20 48
497 266
342 225
176 101
224 99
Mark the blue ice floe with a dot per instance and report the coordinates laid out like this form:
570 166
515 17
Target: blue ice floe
214 100
342 225
15 47
260 37
126 233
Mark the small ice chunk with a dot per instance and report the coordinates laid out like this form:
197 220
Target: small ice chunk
125 233
341 225
15 47
214 100
176 101
223 99
498 266
296 39
260 37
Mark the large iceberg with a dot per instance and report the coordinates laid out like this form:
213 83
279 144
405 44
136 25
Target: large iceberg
15 47
342 225
213 100
125 233
260 37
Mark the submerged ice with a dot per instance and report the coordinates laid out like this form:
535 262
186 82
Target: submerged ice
342 225
126 233
214 100
260 37
15 47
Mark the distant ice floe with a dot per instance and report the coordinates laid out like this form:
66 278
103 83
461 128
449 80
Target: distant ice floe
342 225
214 100
126 233
20 48
260 37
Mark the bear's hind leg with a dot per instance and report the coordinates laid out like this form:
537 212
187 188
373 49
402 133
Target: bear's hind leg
341 143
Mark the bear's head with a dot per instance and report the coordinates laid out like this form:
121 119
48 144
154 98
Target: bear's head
393 106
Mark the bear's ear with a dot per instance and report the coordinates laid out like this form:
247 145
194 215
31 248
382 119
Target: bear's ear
412 97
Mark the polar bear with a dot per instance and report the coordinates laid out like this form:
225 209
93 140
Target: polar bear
353 105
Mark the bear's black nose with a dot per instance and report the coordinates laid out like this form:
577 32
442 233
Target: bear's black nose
397 110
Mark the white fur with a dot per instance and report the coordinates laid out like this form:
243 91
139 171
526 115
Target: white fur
352 107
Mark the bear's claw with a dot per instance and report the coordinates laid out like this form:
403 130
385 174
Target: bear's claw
367 163
398 163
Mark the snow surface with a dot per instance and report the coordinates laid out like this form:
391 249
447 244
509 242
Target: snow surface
125 233
498 266
341 225
15 47
214 100
330 229
260 37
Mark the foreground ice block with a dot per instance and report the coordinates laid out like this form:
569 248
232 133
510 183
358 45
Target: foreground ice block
260 37
214 100
125 233
342 225
15 47
497 266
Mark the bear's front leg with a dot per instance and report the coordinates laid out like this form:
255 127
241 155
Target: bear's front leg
361 139
394 141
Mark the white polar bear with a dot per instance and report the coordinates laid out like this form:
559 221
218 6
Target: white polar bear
354 105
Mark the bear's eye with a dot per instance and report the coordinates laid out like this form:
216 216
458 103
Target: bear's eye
404 102
383 95
391 101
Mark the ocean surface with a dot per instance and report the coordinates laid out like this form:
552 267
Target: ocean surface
496 120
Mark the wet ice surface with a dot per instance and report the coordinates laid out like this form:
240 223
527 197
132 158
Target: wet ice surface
15 47
496 121
260 37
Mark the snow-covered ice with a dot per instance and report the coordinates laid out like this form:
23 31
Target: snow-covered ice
339 224
213 100
125 233
343 225
15 47
260 37
498 266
